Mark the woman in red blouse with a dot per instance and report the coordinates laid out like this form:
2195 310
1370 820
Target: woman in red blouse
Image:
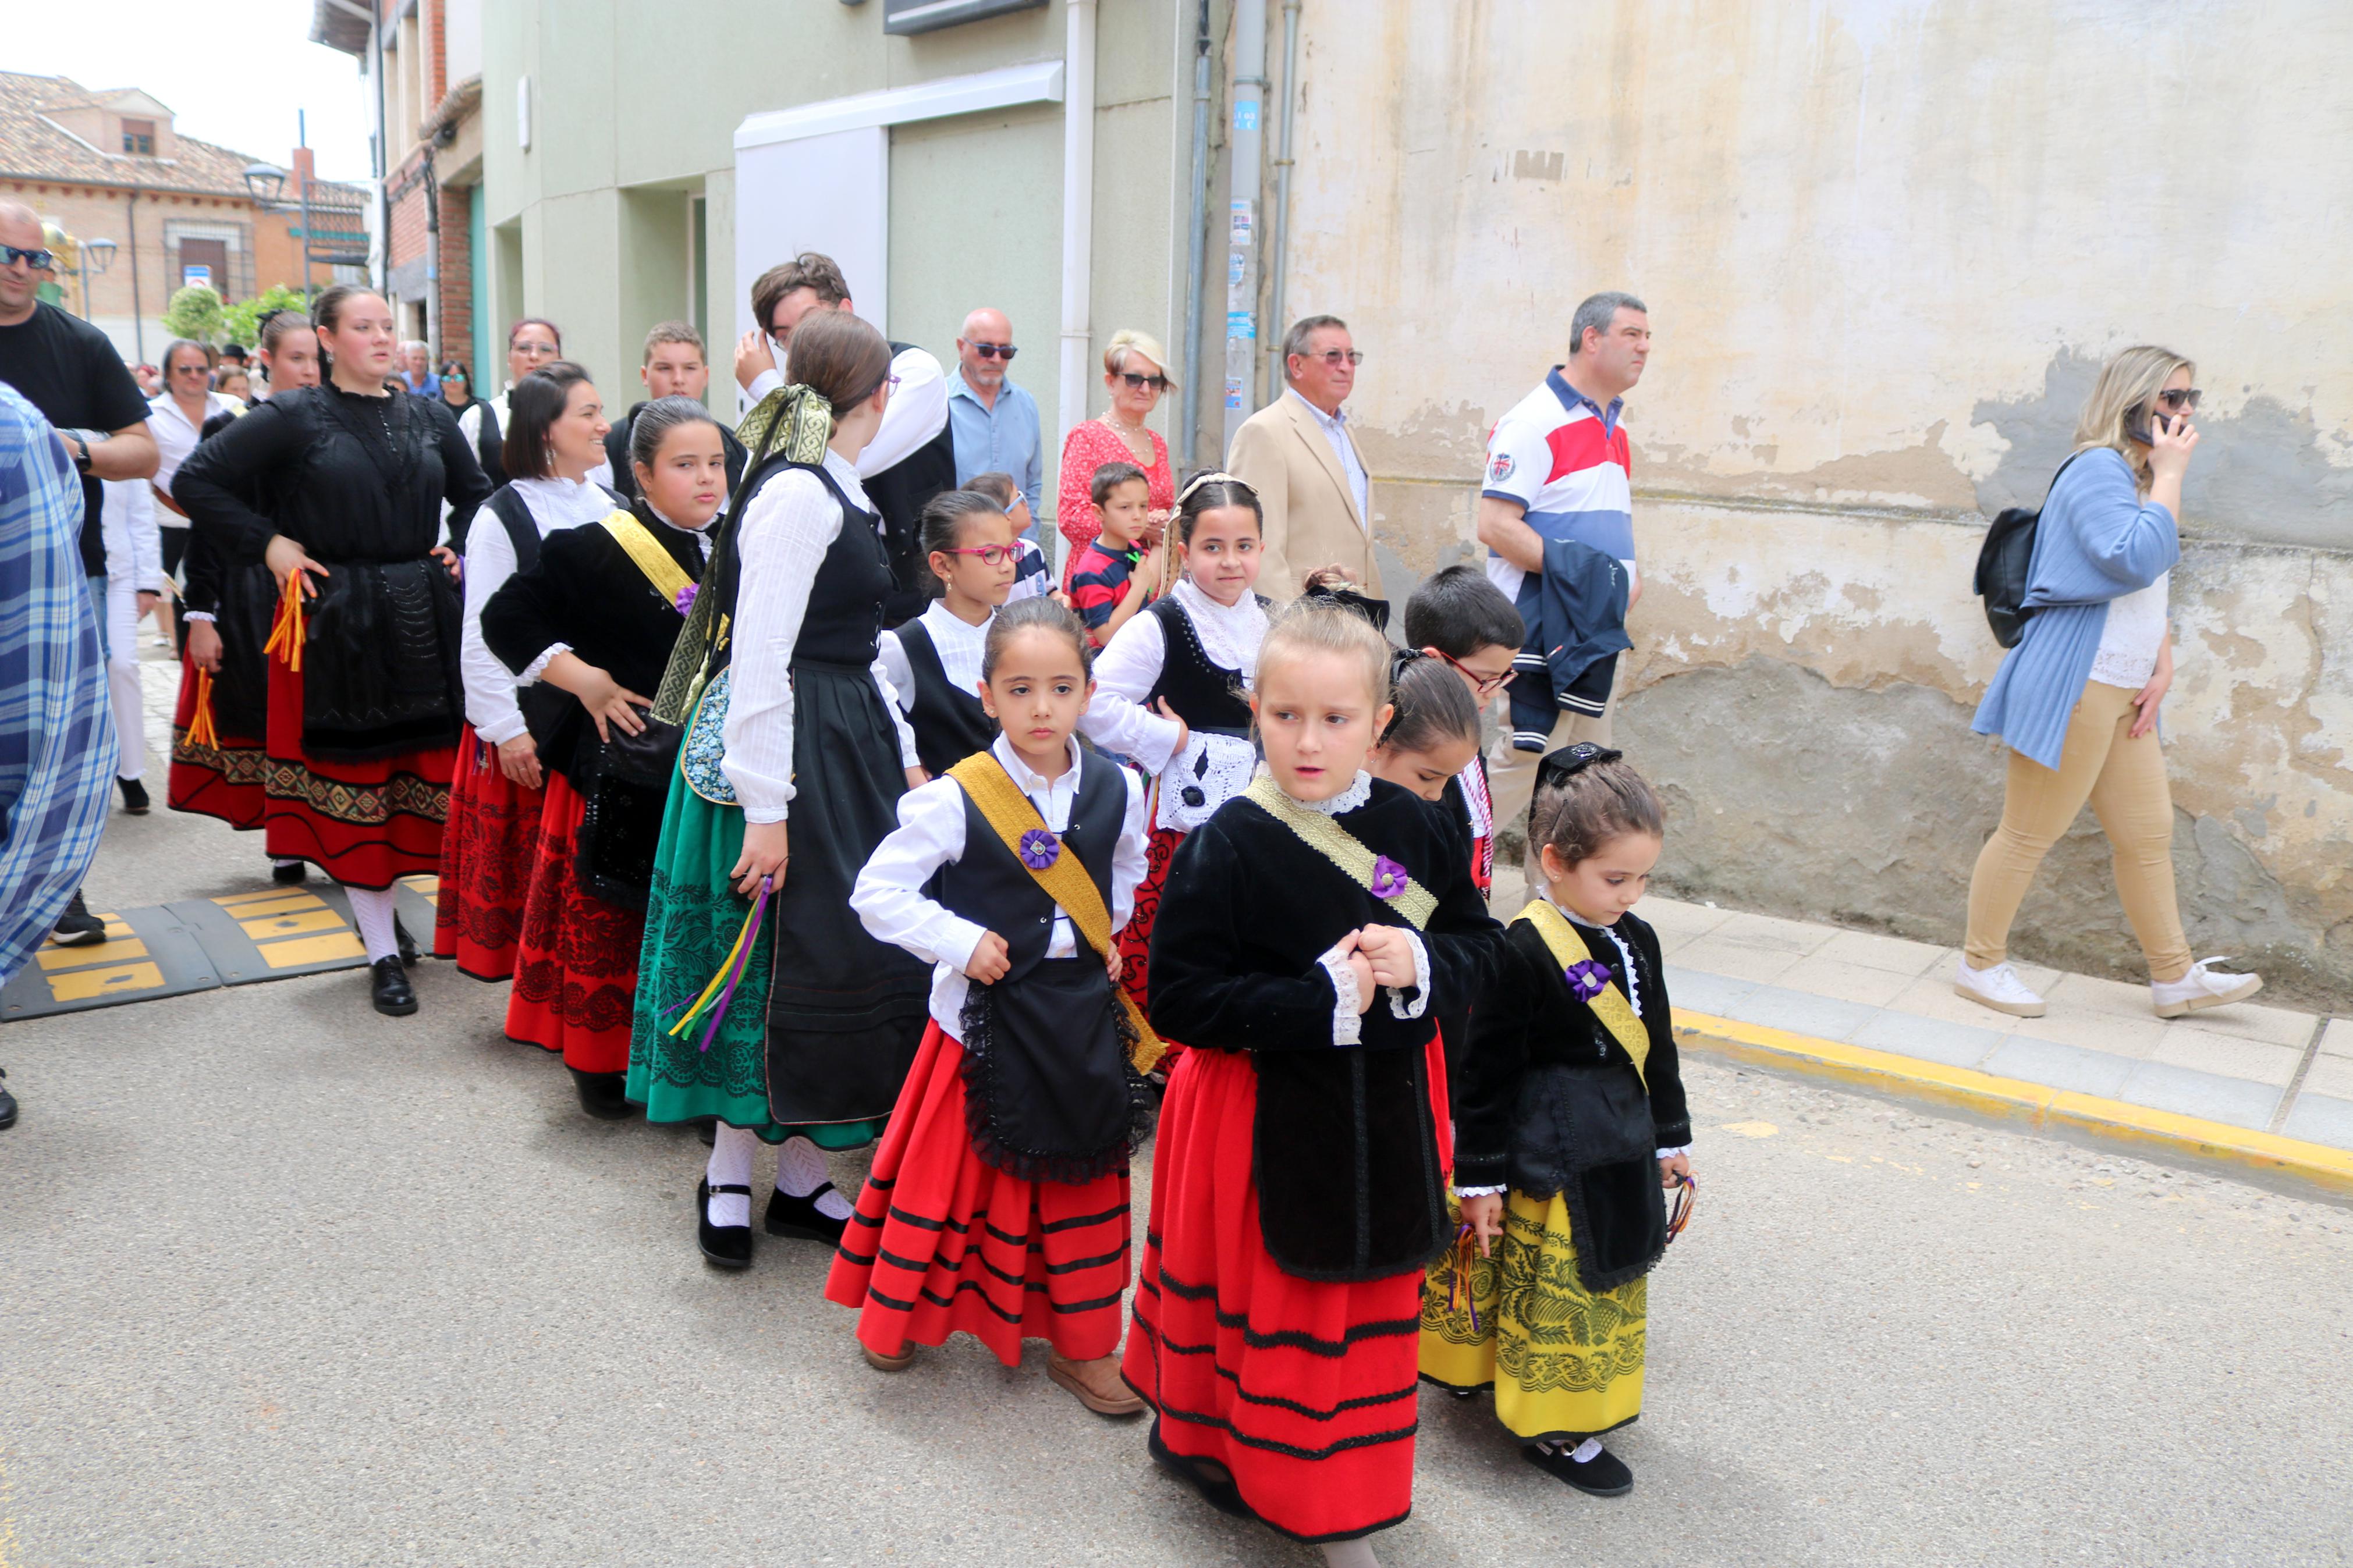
1134 369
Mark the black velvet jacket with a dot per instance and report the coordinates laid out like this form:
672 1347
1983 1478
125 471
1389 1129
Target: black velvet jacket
1349 1186
1547 1100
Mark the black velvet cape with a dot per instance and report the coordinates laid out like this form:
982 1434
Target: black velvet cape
1349 1186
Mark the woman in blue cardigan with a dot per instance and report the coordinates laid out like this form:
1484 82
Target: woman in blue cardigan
2076 700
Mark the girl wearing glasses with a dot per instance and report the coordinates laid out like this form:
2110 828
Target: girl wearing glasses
2076 700
933 661
1135 374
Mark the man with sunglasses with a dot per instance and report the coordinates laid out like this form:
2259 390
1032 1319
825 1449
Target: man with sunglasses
1301 456
994 423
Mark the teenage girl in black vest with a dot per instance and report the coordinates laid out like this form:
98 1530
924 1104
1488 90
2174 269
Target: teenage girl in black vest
998 1205
935 660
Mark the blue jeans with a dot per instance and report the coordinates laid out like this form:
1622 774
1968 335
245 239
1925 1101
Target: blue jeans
97 602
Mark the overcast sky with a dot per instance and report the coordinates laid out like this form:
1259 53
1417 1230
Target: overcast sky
238 83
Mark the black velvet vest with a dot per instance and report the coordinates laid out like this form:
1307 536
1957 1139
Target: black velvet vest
949 722
844 618
990 887
899 493
1208 697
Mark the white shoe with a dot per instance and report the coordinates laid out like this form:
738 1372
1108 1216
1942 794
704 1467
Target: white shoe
2202 988
1998 988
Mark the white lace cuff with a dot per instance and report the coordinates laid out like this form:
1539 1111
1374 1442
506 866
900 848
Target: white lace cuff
538 667
1670 1153
198 616
1480 1192
1347 1024
1399 1007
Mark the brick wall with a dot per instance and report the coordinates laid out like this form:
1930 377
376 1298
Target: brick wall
457 324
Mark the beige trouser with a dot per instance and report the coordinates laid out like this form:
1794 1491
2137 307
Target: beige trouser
1512 775
2125 781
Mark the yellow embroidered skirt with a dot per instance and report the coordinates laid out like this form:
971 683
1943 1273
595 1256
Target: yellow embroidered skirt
1563 1362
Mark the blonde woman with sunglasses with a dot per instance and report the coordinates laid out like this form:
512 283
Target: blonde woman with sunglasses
1136 373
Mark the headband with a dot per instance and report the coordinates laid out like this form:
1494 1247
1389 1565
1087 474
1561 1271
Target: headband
1570 761
1220 476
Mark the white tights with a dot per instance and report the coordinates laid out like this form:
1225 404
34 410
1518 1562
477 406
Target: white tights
371 912
800 1171
1356 1554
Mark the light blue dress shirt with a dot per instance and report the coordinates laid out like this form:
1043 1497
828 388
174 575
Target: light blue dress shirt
999 440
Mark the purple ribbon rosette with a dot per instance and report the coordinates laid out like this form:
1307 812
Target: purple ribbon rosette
1389 879
685 600
1039 849
1587 979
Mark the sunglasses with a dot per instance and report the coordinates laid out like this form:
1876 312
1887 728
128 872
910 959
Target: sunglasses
1138 383
990 554
2176 399
995 350
1488 685
1337 357
38 260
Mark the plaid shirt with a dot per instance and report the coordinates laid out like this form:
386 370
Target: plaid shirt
57 740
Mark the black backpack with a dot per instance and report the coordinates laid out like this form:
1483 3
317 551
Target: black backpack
2002 562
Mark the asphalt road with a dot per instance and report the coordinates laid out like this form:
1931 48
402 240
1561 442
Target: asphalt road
284 1282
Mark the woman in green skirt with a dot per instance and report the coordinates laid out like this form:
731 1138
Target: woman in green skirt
761 1002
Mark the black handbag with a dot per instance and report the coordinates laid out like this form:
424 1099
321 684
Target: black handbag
2003 562
628 783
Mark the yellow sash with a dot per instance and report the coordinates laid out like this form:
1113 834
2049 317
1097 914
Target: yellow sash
1343 849
1611 1006
669 578
1066 882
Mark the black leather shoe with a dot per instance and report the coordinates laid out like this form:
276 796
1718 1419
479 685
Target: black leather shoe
290 875
7 1104
789 1215
603 1094
390 989
406 942
78 927
728 1245
134 796
1604 1475
708 1130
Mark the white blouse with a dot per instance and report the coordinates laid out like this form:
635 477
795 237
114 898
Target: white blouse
958 643
554 505
890 898
1130 665
785 531
2133 635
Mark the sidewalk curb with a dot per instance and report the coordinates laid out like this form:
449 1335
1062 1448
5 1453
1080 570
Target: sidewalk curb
2038 1105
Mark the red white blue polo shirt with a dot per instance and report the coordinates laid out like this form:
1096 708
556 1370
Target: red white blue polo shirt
1564 458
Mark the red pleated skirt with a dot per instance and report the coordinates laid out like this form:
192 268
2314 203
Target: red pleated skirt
1135 939
575 958
1303 1390
487 857
367 824
222 779
943 1243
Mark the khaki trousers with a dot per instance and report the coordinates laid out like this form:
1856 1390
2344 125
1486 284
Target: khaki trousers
2124 779
1512 775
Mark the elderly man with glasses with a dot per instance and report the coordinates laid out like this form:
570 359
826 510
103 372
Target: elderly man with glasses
994 422
1301 456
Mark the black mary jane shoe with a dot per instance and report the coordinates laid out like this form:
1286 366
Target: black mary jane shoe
406 942
390 989
1604 1475
799 1217
293 874
726 1246
134 798
603 1095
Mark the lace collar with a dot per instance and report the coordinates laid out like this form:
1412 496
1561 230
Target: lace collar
1229 633
1340 804
561 503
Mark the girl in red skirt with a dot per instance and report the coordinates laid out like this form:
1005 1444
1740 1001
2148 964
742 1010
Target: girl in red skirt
594 619
556 435
1310 931
997 1204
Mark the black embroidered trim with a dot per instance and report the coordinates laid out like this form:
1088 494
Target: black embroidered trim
993 1149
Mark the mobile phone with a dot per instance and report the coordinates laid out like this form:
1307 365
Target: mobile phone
2142 435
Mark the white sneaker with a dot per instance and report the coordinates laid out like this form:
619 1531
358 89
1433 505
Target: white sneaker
2202 988
1998 988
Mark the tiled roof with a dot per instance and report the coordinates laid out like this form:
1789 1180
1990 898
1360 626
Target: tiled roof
33 147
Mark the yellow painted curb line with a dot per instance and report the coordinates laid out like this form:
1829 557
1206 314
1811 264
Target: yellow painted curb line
2037 1105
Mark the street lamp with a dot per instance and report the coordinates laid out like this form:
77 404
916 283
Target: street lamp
264 182
96 255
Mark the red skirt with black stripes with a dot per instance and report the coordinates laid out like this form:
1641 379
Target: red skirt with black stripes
488 852
943 1243
1303 1390
576 966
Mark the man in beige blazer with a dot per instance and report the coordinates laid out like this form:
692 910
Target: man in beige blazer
1298 453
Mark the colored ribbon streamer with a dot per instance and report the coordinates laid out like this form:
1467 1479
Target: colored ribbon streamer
1686 1199
1459 1291
716 997
201 731
286 634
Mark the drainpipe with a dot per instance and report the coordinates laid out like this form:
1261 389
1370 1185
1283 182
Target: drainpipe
131 244
1242 259
1078 213
1188 414
1276 319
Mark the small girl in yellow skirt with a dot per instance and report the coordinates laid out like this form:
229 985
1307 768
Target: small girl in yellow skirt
1569 1119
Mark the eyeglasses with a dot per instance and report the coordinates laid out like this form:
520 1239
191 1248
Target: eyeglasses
38 260
1138 383
1335 358
990 554
2176 398
995 350
537 350
197 367
1488 685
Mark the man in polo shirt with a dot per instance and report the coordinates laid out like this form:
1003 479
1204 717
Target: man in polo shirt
994 423
1559 468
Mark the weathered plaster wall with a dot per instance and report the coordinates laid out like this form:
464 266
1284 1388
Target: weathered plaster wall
1886 245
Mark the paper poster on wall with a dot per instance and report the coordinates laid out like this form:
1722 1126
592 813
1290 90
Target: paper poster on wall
1242 224
1233 391
196 273
1240 324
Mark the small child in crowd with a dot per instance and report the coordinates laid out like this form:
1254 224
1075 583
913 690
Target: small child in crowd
998 1205
1434 734
1289 1232
1573 1034
1114 575
933 661
1033 576
1456 616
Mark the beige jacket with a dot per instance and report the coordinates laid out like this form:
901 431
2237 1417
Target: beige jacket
1311 517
